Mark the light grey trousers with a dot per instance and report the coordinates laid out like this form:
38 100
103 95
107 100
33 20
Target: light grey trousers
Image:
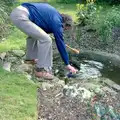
39 43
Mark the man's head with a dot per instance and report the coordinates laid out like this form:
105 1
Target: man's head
67 21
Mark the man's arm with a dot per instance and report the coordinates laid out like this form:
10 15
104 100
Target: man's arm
62 49
58 34
57 28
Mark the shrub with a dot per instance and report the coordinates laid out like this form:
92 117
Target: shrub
105 24
4 22
3 16
86 13
99 19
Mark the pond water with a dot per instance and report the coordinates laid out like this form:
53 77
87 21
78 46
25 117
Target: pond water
112 73
93 69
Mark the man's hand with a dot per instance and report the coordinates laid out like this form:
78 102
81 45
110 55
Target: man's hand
71 69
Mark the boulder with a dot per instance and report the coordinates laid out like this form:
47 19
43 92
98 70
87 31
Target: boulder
7 66
18 53
24 68
112 84
2 55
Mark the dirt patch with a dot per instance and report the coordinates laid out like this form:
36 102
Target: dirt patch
54 104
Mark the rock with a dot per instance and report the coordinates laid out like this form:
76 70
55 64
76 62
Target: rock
46 86
86 93
18 53
7 66
112 84
2 55
56 71
55 82
75 91
61 82
24 68
116 86
29 77
99 92
90 86
12 59
107 89
102 57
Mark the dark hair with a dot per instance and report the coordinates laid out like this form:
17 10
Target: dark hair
67 20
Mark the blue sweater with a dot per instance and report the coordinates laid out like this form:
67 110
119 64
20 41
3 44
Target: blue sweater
48 18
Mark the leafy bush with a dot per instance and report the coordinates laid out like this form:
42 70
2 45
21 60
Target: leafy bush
3 16
104 24
99 19
86 13
4 22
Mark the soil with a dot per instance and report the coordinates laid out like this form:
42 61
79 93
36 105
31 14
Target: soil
66 108
54 105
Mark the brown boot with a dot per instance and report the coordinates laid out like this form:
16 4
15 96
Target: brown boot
43 74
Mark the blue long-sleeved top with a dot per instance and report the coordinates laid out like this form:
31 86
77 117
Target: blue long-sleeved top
48 18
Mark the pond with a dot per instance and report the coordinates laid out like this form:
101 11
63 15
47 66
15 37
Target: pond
97 67
111 72
94 69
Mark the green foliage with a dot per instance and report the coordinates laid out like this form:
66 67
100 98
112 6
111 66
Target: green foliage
16 40
99 19
4 16
86 13
17 97
105 23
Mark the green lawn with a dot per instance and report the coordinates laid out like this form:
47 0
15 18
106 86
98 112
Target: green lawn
17 97
16 40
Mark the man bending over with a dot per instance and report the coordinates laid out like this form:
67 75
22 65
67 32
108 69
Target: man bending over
37 20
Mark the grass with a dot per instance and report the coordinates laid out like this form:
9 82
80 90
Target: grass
17 97
16 40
